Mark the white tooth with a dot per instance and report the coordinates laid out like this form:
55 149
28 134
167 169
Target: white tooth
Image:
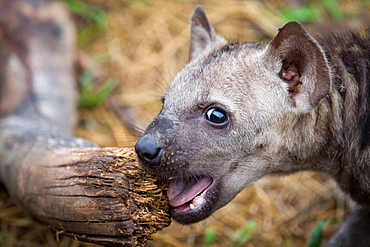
197 201
191 206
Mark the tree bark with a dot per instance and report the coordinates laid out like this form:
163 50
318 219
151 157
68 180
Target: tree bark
99 195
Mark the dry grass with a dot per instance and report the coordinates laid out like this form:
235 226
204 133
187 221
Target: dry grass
143 47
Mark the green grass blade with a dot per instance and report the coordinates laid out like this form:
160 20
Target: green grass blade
90 12
316 236
303 14
242 235
209 237
88 97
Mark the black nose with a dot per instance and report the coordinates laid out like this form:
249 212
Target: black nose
148 150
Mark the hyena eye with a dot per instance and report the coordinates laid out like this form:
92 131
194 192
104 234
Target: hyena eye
217 117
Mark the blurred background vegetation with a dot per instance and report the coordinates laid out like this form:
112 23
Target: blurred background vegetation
127 53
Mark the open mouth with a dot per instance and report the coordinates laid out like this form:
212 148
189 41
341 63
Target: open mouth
188 194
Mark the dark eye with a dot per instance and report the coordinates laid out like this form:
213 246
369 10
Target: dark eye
217 117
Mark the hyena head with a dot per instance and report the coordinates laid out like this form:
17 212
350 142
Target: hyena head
222 122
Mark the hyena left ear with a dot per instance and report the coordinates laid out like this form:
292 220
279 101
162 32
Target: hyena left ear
202 34
304 67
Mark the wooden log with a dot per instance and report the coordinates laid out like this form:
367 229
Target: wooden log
99 195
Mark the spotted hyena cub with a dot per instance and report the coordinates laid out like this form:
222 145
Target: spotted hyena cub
239 111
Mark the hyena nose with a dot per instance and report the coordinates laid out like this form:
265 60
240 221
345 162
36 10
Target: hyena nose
148 150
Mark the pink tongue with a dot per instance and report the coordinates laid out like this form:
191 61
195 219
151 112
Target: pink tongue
181 190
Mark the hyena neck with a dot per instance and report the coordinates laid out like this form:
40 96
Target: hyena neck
349 58
349 101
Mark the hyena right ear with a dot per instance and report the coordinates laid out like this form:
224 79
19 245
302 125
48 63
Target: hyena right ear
202 33
303 66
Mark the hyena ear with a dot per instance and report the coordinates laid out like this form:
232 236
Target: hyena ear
304 67
202 34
